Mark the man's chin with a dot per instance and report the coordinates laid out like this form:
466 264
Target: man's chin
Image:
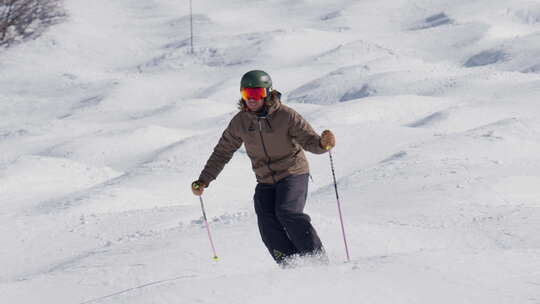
253 109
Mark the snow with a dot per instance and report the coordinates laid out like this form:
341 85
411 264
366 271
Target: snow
108 118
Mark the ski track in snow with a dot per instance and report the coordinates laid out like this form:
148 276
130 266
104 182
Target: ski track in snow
137 288
108 117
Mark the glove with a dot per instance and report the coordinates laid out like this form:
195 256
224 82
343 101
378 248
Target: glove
197 187
328 140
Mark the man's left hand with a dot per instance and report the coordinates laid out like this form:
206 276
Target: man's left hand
328 140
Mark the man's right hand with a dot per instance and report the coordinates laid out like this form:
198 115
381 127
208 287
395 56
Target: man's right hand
197 187
328 140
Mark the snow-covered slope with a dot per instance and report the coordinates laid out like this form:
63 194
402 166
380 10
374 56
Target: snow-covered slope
108 117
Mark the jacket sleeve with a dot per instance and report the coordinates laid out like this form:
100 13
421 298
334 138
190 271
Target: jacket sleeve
301 131
223 152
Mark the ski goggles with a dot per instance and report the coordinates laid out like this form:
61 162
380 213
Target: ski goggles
253 93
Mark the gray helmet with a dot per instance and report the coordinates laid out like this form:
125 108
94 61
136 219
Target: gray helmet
256 79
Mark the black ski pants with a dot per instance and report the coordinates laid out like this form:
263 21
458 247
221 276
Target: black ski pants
285 229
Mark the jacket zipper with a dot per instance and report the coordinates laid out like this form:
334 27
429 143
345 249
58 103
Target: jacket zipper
266 152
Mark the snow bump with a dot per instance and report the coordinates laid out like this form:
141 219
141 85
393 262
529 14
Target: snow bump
486 58
433 21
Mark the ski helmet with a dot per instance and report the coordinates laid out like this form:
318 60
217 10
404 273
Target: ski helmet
256 79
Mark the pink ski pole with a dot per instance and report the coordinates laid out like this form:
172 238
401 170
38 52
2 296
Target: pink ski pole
208 229
339 206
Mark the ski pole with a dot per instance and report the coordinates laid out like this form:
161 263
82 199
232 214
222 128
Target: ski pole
215 258
339 205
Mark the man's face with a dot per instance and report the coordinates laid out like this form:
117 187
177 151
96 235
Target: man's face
254 97
254 105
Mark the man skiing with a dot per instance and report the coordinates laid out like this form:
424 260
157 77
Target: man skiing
274 136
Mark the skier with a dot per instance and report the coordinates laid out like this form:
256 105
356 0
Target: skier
274 136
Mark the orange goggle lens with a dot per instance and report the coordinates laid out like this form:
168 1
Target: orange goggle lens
253 93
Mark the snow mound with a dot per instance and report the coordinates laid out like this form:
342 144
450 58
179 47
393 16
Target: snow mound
362 81
332 15
392 110
430 120
121 149
41 177
355 52
529 15
486 58
519 189
518 54
154 182
433 21
232 51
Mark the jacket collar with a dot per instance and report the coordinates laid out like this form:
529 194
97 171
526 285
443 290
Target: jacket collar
274 102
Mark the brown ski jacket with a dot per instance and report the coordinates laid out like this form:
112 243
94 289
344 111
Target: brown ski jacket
274 141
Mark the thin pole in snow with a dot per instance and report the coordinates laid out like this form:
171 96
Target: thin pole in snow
339 206
208 229
191 25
